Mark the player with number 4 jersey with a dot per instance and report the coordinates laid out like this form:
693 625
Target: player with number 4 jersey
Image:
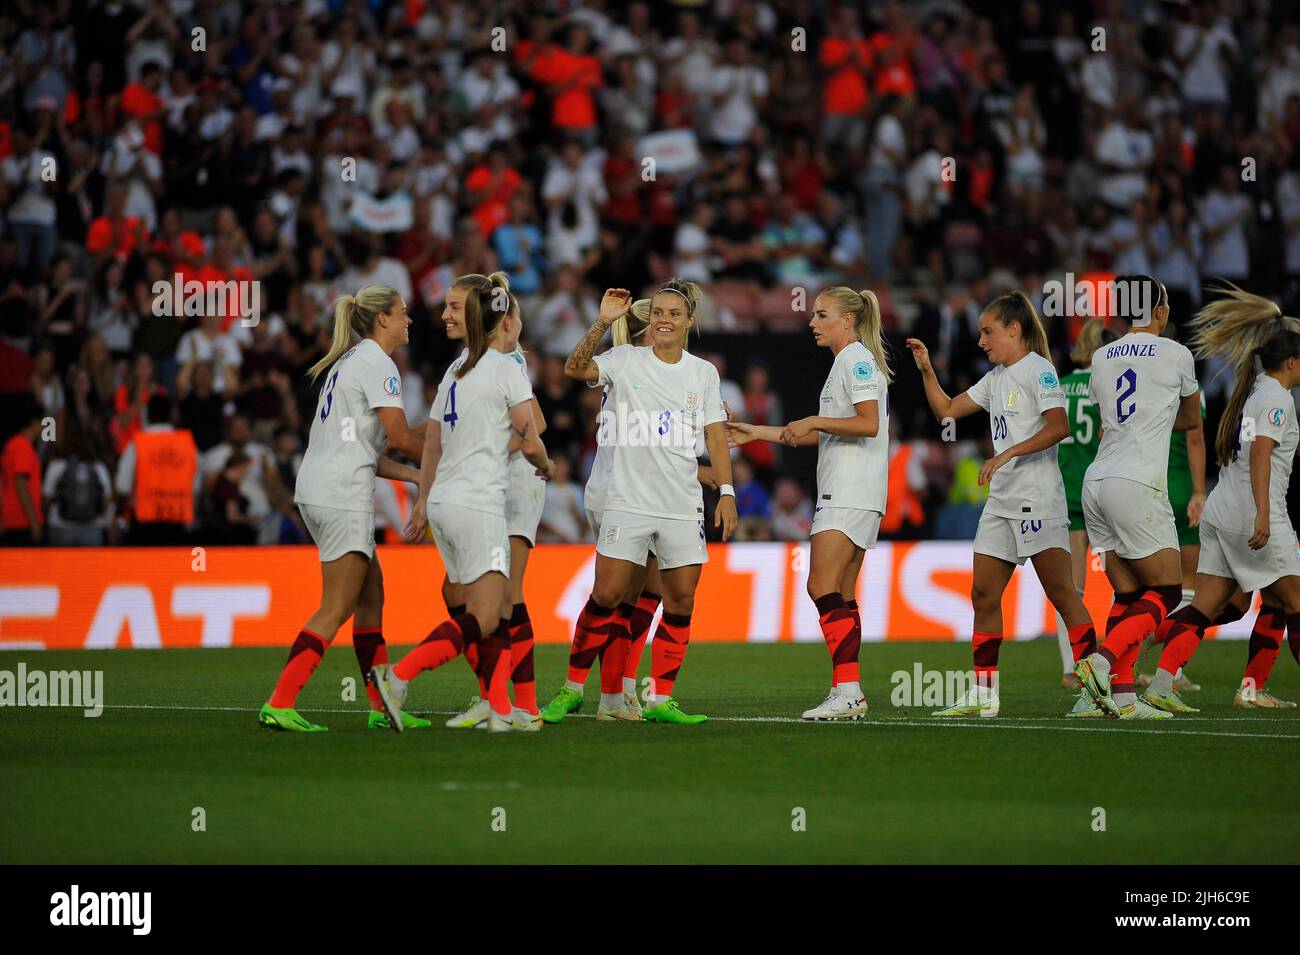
1025 517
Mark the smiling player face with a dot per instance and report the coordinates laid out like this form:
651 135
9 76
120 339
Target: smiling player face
670 320
453 312
397 325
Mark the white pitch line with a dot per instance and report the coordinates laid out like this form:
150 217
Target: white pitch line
1047 723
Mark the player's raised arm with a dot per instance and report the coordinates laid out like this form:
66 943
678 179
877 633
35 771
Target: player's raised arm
940 403
579 365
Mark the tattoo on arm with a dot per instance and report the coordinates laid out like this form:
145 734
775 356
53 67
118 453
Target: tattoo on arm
582 352
522 432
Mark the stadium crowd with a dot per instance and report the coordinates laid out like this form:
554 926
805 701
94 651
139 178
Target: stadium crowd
939 153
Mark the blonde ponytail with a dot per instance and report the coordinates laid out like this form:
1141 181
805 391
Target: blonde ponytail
864 307
1235 327
355 315
632 324
1092 336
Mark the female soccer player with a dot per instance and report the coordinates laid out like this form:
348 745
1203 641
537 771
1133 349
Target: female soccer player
1145 386
1025 516
662 398
636 612
852 438
1073 455
483 408
1247 540
524 498
360 407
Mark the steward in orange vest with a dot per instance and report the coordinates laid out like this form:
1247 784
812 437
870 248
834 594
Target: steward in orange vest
158 475
902 503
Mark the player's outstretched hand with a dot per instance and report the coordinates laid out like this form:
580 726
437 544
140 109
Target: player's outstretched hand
1194 509
920 354
1262 533
547 472
731 415
417 525
725 516
990 468
795 431
740 432
614 304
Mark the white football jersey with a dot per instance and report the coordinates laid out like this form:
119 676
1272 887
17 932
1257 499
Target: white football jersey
853 472
474 412
1269 413
653 416
522 474
1030 486
1138 382
602 465
346 439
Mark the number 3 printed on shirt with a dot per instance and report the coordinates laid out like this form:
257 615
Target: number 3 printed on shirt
664 418
1127 384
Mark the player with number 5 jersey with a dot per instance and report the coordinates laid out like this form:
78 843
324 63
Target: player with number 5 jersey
1025 516
1145 387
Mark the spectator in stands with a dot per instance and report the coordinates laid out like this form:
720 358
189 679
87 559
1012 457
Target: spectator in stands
792 511
22 520
563 520
79 492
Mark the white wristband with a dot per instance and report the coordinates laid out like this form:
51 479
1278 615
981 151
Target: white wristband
727 491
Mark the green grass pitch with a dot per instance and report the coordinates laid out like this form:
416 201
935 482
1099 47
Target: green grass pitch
179 731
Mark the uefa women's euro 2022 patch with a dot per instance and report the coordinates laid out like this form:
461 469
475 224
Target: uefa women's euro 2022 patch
862 371
1277 417
393 385
1047 381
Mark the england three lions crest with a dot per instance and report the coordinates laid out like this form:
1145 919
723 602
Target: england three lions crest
692 401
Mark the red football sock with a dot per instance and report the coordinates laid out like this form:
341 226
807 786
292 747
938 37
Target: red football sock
985 647
1265 645
494 667
371 652
1144 616
446 642
304 656
1184 637
470 651
589 638
1293 634
1120 607
1083 640
642 618
614 659
669 651
857 617
521 659
1121 671
842 636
